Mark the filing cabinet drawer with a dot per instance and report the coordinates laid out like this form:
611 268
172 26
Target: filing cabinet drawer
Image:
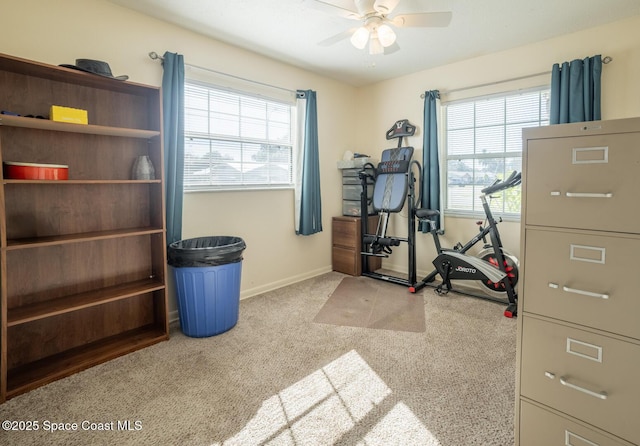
583 278
586 182
346 261
346 232
540 427
591 377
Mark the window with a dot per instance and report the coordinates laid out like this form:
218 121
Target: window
236 140
484 142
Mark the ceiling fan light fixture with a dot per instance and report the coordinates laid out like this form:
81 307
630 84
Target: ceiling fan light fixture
375 47
386 35
360 38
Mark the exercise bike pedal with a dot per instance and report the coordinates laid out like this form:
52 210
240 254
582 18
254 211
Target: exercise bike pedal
511 311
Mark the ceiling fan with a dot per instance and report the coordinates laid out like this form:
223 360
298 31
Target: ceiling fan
376 16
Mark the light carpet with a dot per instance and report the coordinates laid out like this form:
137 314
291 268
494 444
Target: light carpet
278 378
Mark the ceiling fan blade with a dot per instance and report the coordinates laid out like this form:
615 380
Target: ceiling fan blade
364 7
337 38
385 6
423 19
342 8
392 48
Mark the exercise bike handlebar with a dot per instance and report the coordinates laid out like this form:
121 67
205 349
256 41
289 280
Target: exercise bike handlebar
513 180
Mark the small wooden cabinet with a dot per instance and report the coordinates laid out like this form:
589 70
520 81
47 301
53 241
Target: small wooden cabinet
347 241
83 260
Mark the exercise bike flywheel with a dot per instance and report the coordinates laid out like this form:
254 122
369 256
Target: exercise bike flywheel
510 266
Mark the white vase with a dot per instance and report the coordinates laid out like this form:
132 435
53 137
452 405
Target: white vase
143 169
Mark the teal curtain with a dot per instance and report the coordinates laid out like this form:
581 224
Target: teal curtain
309 204
430 165
173 128
575 91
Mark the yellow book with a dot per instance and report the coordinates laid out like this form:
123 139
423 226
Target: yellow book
68 114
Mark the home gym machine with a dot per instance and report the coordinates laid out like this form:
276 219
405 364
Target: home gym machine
394 183
494 268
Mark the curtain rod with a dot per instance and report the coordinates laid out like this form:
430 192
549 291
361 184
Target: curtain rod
605 60
153 55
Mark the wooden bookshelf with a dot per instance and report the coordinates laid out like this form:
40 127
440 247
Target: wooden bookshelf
82 277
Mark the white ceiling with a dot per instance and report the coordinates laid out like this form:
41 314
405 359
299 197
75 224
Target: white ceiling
289 30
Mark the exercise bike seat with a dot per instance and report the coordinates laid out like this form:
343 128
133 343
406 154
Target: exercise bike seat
390 188
424 213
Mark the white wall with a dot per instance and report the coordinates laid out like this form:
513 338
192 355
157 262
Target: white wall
380 105
61 31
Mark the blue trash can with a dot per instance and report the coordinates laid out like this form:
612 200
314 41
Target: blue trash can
207 272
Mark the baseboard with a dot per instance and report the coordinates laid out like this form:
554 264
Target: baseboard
173 316
244 294
402 270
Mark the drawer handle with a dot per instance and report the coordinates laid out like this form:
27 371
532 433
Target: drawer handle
601 395
585 293
588 195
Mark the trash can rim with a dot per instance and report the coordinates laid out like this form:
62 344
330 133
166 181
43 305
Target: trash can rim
205 251
234 240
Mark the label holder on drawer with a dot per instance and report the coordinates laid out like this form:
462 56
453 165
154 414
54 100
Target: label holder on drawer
590 155
569 437
584 350
583 253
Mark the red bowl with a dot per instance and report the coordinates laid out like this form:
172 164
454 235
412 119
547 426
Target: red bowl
33 171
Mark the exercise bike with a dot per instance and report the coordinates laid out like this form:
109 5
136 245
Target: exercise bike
494 268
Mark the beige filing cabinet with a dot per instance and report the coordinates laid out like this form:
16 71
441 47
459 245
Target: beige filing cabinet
578 363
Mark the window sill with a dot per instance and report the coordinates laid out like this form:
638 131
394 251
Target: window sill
480 215
240 189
